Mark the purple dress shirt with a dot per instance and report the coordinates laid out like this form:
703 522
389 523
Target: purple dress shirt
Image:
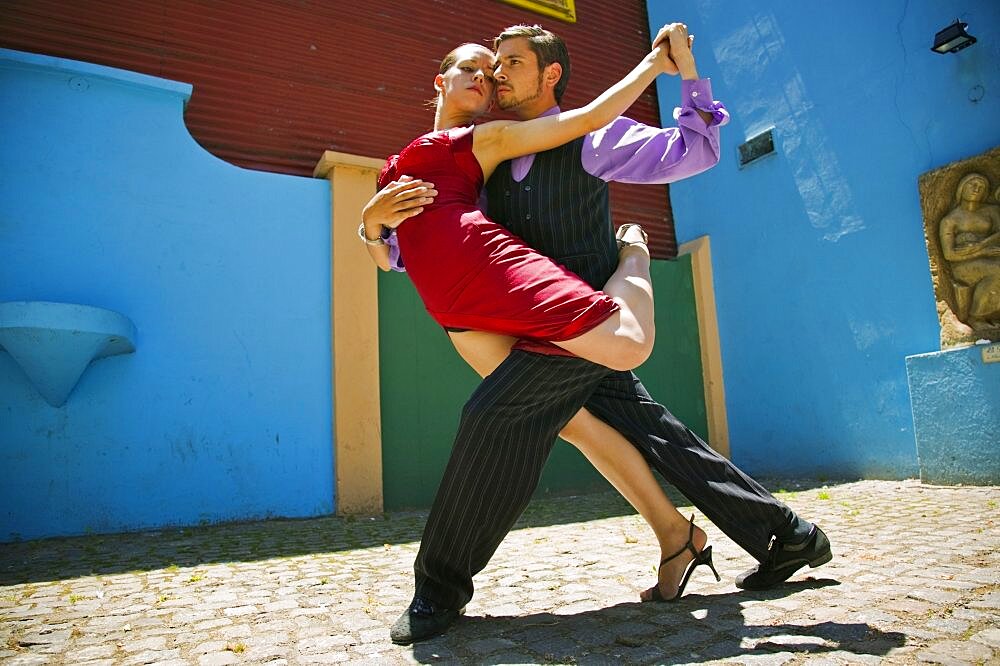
626 151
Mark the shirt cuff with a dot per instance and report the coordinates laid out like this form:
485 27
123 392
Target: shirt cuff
395 258
697 94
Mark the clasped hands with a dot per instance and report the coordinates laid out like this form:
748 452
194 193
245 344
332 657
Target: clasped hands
672 49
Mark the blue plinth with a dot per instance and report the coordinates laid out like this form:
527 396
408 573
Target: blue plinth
955 398
55 342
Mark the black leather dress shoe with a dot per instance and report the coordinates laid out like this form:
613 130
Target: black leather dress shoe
784 559
422 620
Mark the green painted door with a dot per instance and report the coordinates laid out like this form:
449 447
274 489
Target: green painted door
424 384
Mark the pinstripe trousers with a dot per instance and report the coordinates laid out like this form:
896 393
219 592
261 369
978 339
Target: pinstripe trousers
508 428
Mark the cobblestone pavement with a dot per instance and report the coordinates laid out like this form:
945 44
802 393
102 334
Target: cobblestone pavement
915 578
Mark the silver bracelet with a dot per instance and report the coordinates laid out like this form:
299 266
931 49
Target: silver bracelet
369 241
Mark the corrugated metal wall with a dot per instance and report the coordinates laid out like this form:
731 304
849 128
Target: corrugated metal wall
277 82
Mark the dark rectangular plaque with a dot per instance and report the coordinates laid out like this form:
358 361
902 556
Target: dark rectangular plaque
757 147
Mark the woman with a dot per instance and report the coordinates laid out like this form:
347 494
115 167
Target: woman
473 274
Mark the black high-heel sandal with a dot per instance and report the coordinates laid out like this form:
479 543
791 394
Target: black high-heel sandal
704 557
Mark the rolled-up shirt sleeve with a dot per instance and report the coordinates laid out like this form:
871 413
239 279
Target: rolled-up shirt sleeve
627 151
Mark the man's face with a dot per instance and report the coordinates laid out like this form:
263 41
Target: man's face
518 76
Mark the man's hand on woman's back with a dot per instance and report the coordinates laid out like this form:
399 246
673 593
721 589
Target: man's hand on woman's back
396 202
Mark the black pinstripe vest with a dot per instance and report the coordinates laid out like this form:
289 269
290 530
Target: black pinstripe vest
560 210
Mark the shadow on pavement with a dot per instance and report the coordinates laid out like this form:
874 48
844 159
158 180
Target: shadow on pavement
72 557
697 628
108 554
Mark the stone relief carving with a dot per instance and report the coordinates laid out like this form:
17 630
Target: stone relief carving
962 230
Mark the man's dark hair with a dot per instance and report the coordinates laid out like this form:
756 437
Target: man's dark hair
548 48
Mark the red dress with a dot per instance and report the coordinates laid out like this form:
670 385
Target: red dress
473 273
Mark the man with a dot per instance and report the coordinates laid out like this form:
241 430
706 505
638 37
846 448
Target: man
557 201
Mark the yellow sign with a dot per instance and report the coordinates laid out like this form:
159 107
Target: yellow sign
991 354
560 9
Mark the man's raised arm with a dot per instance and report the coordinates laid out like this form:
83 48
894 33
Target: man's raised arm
627 151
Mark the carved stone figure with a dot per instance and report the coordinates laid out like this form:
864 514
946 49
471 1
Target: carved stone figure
970 243
962 230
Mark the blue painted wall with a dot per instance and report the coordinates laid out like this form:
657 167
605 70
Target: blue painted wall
821 272
224 410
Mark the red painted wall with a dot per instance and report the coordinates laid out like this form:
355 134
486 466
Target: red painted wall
277 82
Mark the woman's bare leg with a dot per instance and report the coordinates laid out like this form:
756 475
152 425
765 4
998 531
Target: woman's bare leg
612 455
625 339
625 468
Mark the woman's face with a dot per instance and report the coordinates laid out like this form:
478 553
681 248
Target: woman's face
468 84
974 189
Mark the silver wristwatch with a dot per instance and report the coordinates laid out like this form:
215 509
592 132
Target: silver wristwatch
369 241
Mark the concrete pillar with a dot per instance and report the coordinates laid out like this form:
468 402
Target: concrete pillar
357 423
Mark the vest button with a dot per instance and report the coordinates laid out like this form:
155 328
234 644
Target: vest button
528 216
506 193
527 188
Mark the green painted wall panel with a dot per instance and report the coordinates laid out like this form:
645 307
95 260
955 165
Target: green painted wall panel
673 374
424 385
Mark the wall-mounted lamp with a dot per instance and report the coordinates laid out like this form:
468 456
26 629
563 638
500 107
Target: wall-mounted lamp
952 39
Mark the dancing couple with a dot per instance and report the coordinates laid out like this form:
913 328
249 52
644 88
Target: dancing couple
554 310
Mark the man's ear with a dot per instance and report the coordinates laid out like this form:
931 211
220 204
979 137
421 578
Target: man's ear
551 74
439 83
